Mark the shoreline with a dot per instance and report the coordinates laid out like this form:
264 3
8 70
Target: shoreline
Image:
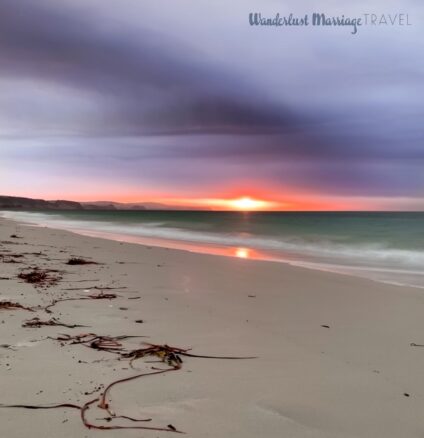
369 273
334 353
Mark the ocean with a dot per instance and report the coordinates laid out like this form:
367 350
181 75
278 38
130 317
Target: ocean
387 247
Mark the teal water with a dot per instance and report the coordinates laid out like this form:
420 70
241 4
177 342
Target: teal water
382 246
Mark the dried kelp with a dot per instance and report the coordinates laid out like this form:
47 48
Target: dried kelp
40 277
37 323
7 256
9 305
80 261
170 355
9 260
167 354
99 296
85 407
95 287
97 342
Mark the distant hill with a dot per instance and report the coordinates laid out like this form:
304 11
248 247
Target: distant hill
18 203
107 205
127 206
110 205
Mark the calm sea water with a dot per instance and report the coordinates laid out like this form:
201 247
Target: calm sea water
382 246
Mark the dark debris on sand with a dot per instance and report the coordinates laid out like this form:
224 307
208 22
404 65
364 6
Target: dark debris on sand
169 358
10 305
80 261
37 323
40 277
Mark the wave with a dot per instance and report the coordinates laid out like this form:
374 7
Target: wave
367 259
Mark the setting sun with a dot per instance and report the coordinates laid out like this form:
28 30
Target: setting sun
240 203
242 253
246 203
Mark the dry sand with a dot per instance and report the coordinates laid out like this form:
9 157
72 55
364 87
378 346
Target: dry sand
357 378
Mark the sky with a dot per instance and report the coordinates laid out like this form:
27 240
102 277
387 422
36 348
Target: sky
184 103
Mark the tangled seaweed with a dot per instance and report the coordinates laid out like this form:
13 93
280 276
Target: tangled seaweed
80 261
97 342
99 296
40 277
167 354
9 305
170 356
37 323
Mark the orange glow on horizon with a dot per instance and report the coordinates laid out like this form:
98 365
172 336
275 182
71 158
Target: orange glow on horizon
249 197
241 203
291 202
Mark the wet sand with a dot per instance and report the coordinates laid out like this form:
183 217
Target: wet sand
334 353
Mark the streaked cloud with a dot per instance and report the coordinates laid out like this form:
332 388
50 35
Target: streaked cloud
155 96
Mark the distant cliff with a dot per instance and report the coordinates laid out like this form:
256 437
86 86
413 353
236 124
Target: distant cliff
16 203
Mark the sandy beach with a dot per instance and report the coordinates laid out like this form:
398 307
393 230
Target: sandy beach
333 352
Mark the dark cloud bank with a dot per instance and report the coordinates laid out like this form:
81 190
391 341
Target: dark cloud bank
159 101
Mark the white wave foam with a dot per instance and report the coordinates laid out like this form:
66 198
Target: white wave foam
366 259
